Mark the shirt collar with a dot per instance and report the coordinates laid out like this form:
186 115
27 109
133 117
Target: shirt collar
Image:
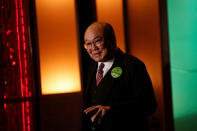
107 63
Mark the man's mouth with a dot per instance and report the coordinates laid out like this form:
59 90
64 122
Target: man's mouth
97 54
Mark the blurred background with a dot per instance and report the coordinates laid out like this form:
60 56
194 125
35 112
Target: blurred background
43 63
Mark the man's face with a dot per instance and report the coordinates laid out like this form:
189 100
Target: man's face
96 44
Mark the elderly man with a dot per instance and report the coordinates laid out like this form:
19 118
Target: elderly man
119 93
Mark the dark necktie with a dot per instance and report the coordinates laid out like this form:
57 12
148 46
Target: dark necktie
100 73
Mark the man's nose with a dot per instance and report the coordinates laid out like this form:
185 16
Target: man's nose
93 46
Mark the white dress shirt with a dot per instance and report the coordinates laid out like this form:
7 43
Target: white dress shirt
108 64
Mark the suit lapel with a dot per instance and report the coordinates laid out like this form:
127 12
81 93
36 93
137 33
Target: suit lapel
108 79
107 83
91 77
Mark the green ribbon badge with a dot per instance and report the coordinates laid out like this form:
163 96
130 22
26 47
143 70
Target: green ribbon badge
116 72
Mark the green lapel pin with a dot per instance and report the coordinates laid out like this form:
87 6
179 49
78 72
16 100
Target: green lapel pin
116 72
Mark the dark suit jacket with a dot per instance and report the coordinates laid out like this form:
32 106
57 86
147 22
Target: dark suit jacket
130 96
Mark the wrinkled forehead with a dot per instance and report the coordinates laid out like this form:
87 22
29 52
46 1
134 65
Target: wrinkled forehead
94 31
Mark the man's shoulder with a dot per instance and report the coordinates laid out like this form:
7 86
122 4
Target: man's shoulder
130 59
132 64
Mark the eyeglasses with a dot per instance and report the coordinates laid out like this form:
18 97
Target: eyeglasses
96 42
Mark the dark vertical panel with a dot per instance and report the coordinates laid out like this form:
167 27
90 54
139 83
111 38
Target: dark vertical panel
166 66
86 14
36 63
126 26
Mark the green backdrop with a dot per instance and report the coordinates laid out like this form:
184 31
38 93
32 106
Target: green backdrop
182 24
